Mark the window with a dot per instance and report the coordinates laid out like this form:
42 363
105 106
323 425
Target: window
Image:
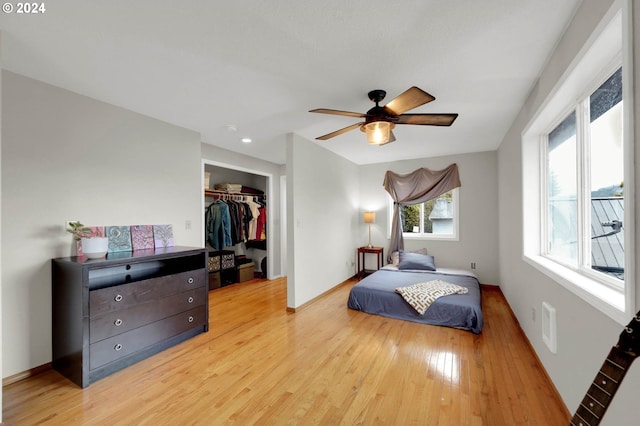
584 221
578 173
433 219
562 200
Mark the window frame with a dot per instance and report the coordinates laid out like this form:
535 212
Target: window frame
583 77
455 236
581 110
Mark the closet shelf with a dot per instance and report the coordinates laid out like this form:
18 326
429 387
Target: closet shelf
256 244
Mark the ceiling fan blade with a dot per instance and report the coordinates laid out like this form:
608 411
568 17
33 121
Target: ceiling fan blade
338 112
392 138
410 99
339 132
427 119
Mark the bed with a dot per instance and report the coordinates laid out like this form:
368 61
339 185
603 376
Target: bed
376 294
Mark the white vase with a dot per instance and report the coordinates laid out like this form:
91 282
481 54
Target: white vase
95 247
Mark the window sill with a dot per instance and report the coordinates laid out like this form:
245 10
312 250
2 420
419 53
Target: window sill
432 237
602 297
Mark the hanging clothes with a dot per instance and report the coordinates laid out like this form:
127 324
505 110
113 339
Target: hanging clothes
218 225
232 221
233 213
261 226
253 223
246 219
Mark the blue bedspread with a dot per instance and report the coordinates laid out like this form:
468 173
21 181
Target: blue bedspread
376 294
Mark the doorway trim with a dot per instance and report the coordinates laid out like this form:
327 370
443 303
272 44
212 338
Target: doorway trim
269 177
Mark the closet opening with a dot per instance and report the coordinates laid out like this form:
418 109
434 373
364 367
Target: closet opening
238 223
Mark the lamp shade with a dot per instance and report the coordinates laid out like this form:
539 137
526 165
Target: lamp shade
369 217
378 132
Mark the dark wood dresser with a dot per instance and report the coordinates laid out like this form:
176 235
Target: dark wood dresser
110 313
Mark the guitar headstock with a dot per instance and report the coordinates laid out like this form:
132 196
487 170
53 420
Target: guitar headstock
629 341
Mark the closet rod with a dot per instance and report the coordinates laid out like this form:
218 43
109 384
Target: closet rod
222 194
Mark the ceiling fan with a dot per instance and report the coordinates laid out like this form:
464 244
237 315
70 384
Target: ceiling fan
379 121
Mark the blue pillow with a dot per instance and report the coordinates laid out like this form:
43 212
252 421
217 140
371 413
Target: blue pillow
416 261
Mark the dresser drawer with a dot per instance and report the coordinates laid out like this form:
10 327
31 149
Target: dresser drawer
123 296
125 344
123 320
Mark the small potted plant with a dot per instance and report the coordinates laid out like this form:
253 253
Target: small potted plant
93 247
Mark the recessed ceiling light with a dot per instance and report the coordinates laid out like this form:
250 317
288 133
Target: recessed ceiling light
246 140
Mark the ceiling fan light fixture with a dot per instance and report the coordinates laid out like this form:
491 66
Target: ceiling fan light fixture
378 132
379 121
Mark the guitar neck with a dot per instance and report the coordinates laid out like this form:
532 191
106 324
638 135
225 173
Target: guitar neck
603 388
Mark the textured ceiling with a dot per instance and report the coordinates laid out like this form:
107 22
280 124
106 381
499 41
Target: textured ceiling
261 65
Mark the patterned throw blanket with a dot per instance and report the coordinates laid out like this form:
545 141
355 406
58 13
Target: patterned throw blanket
422 295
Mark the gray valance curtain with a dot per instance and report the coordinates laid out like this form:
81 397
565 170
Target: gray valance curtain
414 188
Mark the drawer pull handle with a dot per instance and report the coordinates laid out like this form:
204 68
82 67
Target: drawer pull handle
118 322
118 298
118 347
190 280
190 319
190 299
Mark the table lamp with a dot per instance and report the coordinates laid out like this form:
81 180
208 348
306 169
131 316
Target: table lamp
369 218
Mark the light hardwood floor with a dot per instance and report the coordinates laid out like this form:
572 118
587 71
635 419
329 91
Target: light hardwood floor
323 365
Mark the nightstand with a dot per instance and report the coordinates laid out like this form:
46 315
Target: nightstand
362 251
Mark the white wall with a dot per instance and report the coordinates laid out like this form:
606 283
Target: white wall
478 221
215 154
69 157
1 374
585 335
322 217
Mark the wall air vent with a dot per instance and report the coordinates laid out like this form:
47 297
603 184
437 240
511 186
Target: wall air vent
549 327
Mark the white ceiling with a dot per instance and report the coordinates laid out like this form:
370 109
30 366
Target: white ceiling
261 65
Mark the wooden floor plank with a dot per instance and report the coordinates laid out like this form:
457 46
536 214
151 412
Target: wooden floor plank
325 364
